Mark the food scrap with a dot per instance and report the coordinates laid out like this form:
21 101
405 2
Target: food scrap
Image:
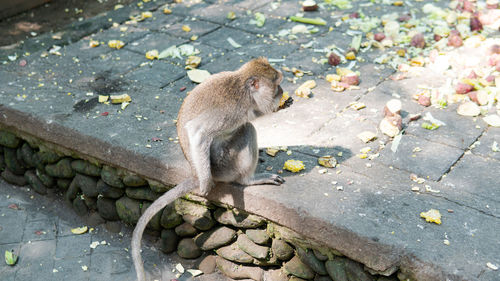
432 215
294 165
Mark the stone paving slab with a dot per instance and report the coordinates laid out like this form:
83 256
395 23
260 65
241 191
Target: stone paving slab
62 256
373 218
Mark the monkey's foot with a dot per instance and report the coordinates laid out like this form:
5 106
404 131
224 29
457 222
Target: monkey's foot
266 178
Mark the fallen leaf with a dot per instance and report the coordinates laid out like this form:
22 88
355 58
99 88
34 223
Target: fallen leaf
10 258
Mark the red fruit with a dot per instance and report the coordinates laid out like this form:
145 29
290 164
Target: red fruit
490 78
354 15
437 37
463 88
424 100
455 40
333 59
472 75
403 18
23 63
105 113
379 36
475 24
495 49
352 79
418 40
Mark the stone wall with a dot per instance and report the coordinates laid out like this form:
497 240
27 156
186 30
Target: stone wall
243 245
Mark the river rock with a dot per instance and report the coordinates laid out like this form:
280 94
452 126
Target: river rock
234 253
80 207
86 168
62 169
48 156
236 271
356 272
129 210
297 268
158 186
47 180
295 278
11 161
215 238
63 183
168 241
184 207
142 193
35 182
109 191
87 184
154 223
188 249
134 180
114 226
110 176
2 161
9 139
14 179
237 218
28 155
91 202
275 275
107 208
282 249
186 230
258 236
249 247
169 217
322 278
336 269
72 191
207 265
310 259
320 256
201 223
270 261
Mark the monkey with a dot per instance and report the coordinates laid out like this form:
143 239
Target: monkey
217 138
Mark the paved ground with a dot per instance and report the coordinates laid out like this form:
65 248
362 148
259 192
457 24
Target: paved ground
364 208
38 229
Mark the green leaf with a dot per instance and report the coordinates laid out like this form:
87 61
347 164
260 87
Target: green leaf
430 126
10 258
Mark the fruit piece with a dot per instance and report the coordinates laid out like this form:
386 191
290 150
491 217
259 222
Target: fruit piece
198 75
479 97
463 88
379 36
309 6
186 28
424 100
367 136
116 44
338 86
332 77
475 23
390 125
272 151
303 92
430 126
492 120
350 79
350 56
93 43
344 71
284 98
432 215
468 109
454 39
392 107
192 62
120 98
10 258
151 55
327 161
334 59
79 230
294 165
418 40
103 99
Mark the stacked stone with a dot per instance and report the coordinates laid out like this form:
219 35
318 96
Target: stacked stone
246 246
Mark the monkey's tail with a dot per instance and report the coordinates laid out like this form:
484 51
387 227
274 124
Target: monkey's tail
167 198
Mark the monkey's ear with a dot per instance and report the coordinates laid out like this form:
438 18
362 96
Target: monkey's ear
253 83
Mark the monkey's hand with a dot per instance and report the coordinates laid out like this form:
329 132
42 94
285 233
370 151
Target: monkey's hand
265 178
